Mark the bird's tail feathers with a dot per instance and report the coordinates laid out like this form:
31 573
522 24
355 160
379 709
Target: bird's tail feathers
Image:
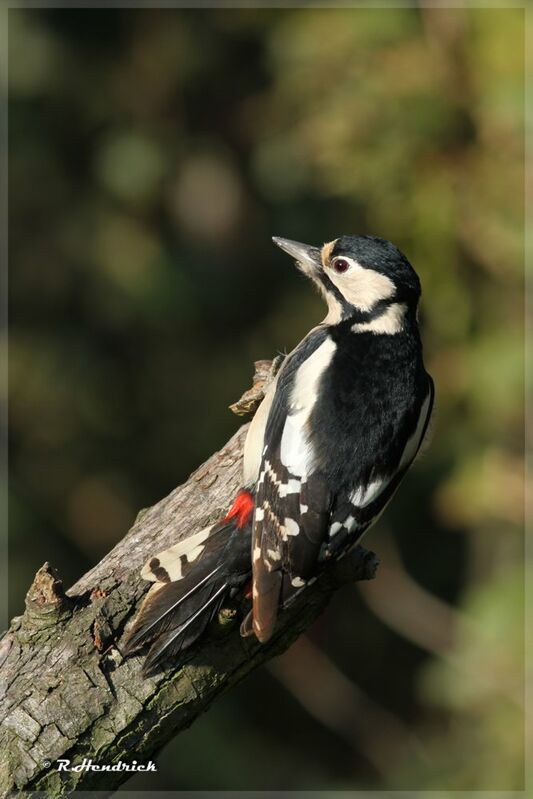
191 580
186 627
166 605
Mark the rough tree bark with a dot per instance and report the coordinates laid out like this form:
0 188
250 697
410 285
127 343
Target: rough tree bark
66 691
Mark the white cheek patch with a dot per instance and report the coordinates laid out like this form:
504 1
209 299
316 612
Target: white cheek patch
362 287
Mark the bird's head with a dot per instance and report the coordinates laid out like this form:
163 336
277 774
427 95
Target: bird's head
361 277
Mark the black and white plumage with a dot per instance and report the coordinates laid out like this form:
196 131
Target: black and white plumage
347 416
333 438
191 580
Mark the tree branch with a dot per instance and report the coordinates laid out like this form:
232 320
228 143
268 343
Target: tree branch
66 691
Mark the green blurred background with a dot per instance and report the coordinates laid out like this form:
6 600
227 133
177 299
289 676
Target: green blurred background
152 154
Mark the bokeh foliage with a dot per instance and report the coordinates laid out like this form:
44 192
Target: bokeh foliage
152 154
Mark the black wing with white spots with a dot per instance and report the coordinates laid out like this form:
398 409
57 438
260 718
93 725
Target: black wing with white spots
304 513
292 499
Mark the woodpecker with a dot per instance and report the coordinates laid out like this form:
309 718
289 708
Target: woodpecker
335 434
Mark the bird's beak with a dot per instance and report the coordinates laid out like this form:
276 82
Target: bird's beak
307 258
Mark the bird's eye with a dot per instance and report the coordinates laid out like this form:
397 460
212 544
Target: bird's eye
340 265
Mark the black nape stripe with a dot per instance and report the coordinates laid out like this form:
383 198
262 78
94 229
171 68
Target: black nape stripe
354 316
357 316
331 288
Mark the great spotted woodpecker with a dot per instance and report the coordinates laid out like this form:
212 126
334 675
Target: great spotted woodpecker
335 434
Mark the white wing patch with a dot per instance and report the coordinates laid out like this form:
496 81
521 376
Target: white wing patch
364 495
348 524
290 487
297 582
291 527
296 451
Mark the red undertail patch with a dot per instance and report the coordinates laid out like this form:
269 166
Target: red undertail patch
242 508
